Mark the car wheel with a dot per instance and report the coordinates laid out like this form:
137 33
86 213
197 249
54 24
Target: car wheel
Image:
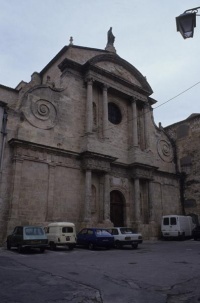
42 250
52 246
20 249
71 247
118 244
107 247
135 245
91 246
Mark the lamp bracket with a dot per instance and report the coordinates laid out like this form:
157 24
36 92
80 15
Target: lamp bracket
192 10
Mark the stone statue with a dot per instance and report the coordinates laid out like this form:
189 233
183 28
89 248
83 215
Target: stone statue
111 37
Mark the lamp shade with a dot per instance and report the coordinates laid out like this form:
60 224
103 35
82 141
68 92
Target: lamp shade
185 24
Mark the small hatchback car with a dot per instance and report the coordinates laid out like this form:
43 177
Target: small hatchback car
27 237
95 237
61 234
125 236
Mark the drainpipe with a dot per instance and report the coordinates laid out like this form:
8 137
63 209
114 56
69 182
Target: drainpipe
3 132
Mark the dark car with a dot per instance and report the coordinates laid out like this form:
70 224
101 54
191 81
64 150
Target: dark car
196 233
24 237
95 237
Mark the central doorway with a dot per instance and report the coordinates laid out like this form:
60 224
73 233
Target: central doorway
117 208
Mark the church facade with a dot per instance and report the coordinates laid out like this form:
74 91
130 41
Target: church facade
79 143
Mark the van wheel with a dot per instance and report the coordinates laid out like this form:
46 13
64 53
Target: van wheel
52 246
182 237
8 245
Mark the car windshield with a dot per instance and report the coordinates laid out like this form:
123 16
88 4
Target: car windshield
34 231
125 230
102 232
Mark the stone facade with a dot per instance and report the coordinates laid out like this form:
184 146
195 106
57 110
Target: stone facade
79 143
185 135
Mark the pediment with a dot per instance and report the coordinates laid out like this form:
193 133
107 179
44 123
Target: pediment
119 71
115 65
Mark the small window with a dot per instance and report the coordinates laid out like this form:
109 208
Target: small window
67 229
173 221
114 113
166 221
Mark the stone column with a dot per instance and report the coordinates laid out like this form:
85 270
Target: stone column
151 210
50 197
16 191
88 194
134 124
89 118
106 199
137 199
146 126
105 110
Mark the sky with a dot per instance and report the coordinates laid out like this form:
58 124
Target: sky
32 32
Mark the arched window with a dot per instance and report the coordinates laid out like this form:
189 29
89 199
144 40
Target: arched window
114 113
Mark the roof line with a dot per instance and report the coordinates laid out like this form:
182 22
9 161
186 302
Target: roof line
63 50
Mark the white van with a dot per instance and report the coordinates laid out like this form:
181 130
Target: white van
177 226
61 234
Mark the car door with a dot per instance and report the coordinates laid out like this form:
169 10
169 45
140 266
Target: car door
82 237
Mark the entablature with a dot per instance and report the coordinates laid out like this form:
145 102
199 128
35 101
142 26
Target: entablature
96 162
140 171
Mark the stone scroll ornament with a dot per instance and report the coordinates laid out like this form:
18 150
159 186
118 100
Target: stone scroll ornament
165 150
41 113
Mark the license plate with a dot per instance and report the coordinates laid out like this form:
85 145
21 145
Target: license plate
35 242
67 238
128 238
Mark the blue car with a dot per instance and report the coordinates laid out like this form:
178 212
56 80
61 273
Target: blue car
95 237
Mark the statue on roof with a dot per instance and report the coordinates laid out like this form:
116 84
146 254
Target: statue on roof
111 37
110 43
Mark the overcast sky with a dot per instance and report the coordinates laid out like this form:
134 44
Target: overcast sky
32 32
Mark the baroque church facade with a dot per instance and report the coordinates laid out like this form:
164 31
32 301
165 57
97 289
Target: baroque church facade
79 144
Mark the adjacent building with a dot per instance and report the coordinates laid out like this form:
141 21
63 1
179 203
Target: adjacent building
185 135
79 143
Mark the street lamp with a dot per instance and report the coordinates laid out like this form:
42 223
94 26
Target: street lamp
186 22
